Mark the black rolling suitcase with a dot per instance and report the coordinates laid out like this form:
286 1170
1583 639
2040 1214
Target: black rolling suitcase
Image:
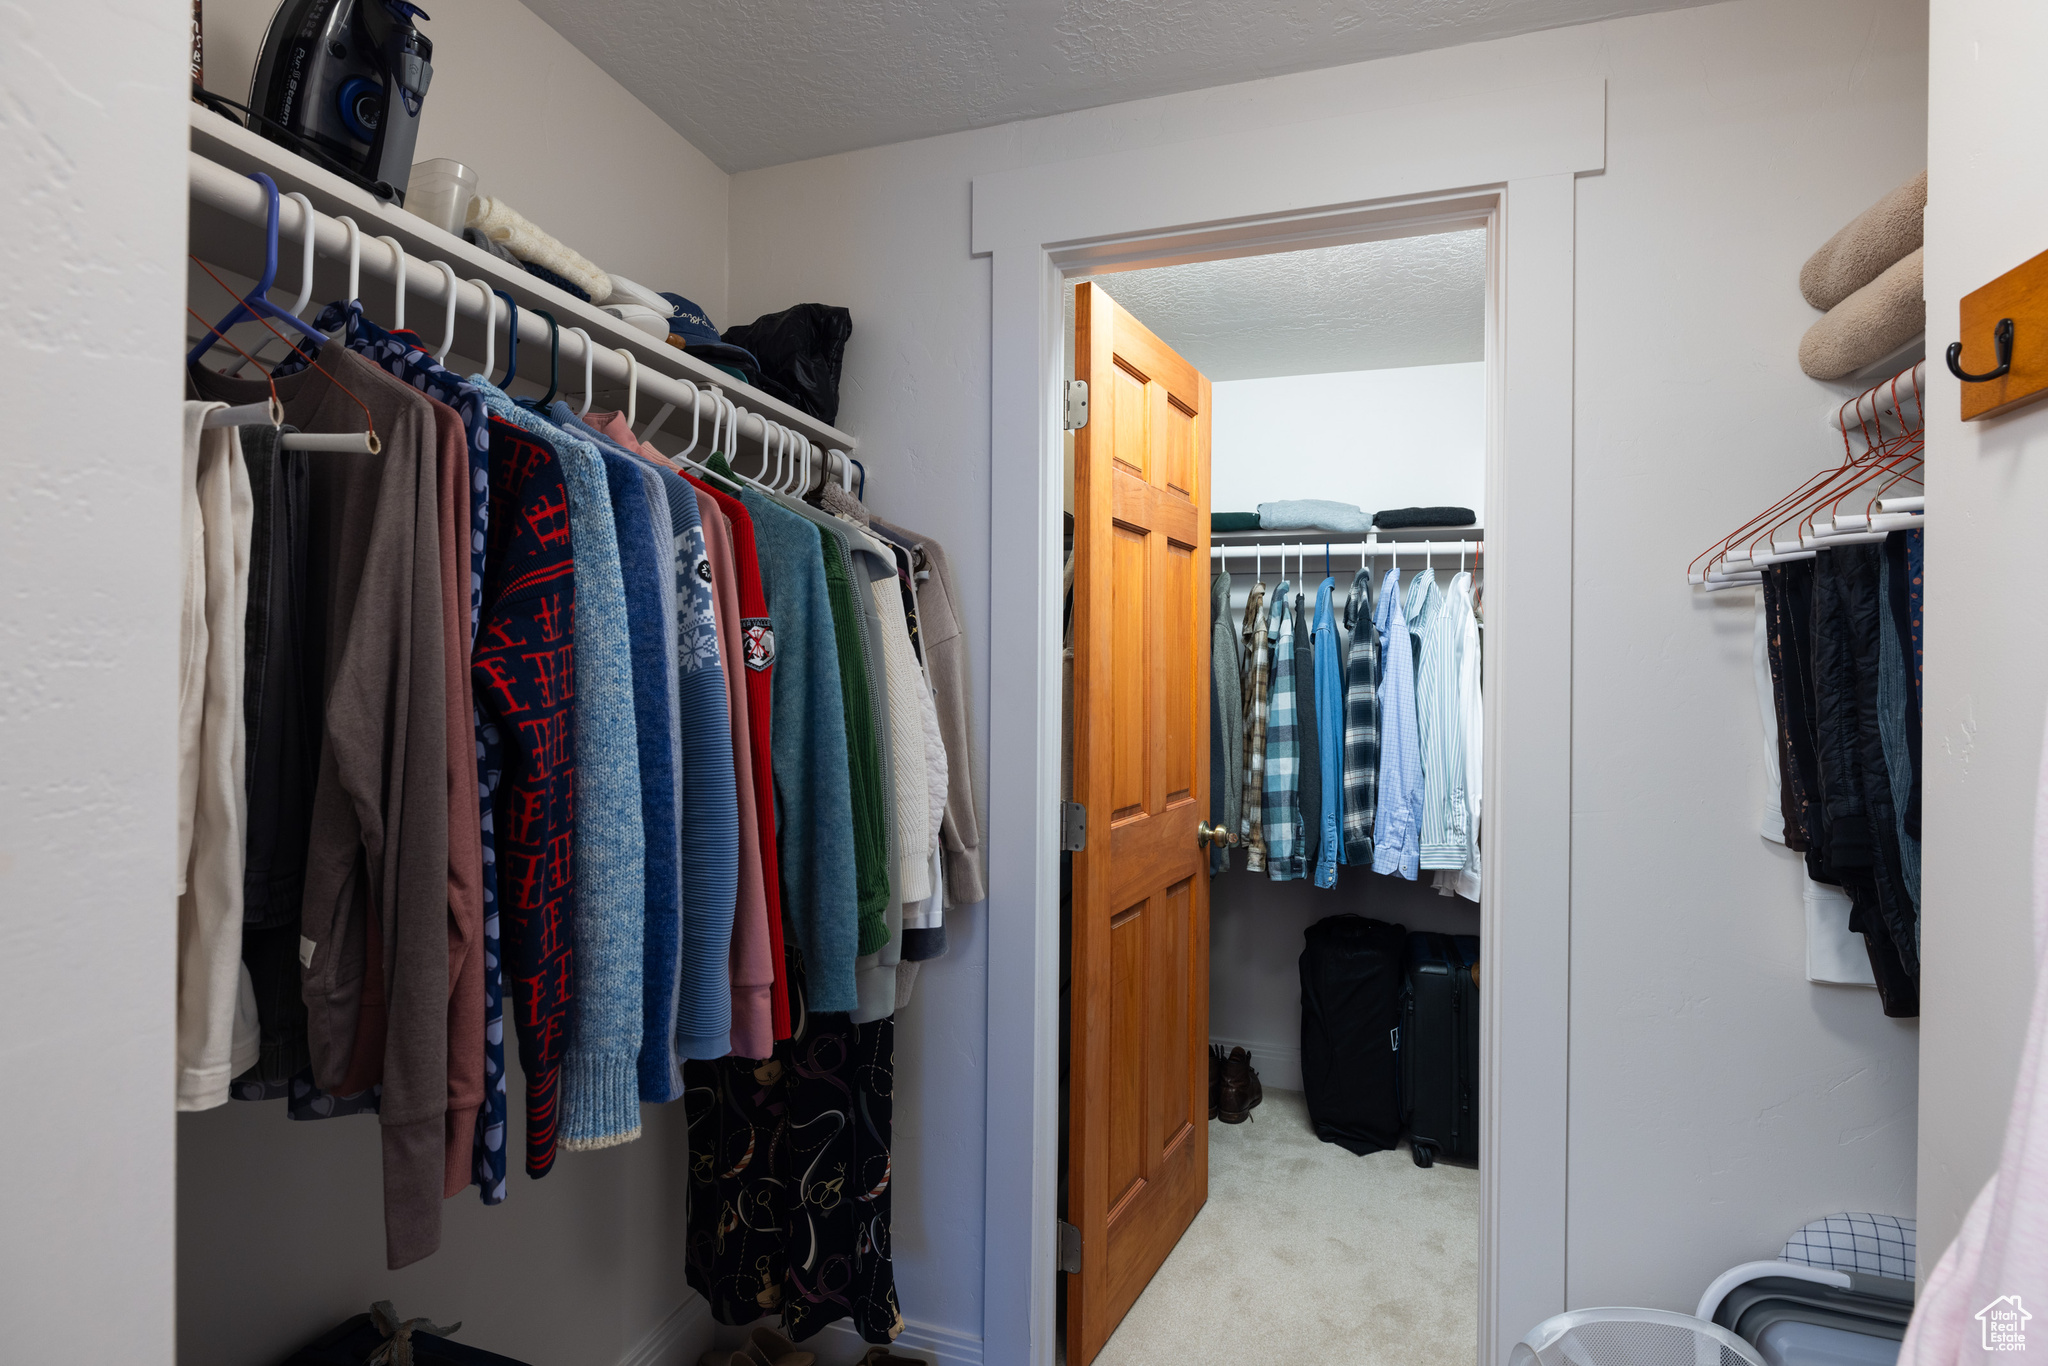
1439 1046
1350 1009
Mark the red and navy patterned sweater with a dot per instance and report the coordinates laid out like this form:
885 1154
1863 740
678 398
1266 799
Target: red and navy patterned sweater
525 684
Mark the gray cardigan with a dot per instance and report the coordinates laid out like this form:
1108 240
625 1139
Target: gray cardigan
945 652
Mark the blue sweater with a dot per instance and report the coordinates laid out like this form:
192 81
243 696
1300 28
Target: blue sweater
652 666
689 982
600 1081
813 783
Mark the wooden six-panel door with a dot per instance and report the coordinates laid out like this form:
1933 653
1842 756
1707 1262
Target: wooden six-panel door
1138 1145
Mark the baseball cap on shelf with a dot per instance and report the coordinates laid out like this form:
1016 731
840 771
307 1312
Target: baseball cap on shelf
693 328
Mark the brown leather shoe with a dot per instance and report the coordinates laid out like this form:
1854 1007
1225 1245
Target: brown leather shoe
1215 1076
1239 1093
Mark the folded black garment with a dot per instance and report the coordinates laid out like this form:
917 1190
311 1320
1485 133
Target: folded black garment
569 287
1233 521
1393 519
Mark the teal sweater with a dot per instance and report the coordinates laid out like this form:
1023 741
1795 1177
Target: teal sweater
813 782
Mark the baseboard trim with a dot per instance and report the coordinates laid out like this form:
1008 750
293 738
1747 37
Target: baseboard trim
678 1340
944 1346
1279 1068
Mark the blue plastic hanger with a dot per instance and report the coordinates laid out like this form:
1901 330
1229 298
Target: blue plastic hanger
256 304
511 342
554 365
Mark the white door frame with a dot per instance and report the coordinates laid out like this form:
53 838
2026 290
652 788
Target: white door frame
1509 158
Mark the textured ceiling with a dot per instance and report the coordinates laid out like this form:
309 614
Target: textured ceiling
1368 306
760 82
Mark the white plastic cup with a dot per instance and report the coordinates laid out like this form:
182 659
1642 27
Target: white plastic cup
440 191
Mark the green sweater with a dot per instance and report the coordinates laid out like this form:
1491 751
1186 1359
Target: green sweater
870 814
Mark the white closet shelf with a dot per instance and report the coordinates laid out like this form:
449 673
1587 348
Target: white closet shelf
224 153
1317 536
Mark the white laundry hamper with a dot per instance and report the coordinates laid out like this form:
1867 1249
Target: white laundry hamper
1631 1337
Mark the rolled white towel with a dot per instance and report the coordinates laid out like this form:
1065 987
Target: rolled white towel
502 223
626 291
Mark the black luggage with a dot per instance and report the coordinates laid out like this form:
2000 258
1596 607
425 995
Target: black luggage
1439 1046
1350 1009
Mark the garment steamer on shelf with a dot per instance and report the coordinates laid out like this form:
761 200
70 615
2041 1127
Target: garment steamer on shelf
341 82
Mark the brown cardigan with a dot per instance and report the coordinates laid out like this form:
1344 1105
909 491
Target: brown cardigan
379 845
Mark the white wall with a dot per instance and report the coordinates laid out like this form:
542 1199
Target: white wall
1717 1099
1987 650
281 1236
91 297
541 125
280 1230
1409 437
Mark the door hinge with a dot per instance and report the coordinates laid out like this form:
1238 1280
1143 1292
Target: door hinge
1070 1248
1073 827
1077 404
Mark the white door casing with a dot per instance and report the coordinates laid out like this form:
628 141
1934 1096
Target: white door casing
1508 160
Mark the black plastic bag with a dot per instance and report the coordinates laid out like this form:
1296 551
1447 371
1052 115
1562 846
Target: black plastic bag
358 1339
799 350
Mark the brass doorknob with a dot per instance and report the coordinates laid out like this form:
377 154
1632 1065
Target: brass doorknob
1206 834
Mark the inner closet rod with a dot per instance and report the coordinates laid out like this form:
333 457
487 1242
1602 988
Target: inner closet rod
241 197
1362 549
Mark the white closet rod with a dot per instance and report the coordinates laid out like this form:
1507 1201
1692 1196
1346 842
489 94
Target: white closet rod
222 189
1362 549
1908 391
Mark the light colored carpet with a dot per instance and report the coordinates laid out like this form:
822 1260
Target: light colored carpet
1306 1253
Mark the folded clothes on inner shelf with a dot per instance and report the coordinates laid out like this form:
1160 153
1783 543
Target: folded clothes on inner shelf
1394 519
1320 513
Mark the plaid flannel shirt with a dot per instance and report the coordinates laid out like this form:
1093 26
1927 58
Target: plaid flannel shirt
1284 842
1361 721
1251 814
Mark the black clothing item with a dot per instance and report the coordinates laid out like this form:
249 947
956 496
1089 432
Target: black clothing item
1311 769
1862 835
281 712
800 351
1899 602
1393 519
1789 791
1790 599
790 1176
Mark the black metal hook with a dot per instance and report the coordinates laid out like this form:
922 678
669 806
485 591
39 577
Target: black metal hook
2002 337
554 365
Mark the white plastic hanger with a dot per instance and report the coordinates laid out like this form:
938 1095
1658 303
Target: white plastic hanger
448 282
632 386
845 467
355 256
589 368
398 294
696 425
490 327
